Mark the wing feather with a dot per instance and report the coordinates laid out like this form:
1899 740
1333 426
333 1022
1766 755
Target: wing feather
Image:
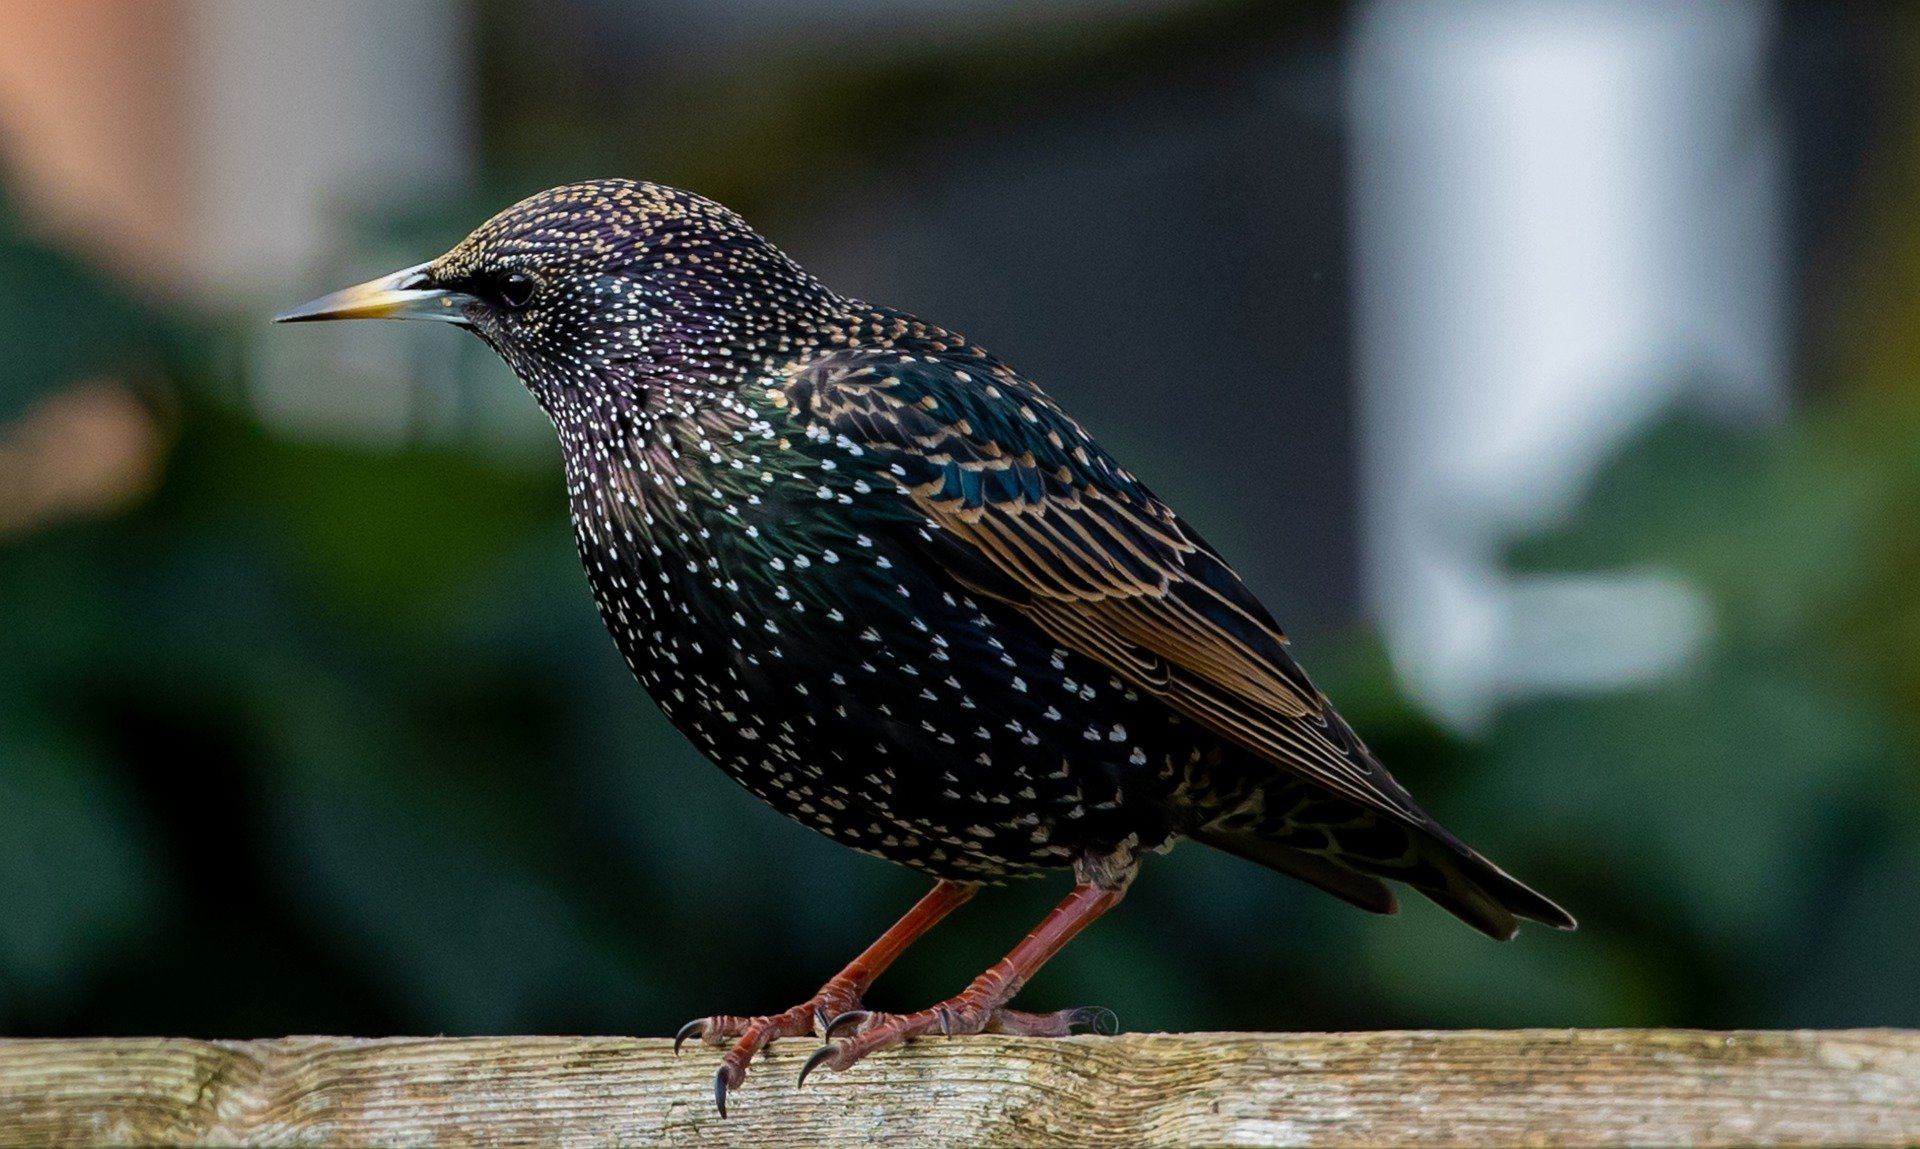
1031 511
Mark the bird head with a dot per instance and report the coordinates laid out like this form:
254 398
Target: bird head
612 285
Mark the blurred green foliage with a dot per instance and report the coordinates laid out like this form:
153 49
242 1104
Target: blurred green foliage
1758 813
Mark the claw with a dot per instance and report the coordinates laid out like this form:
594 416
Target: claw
1096 1018
850 1017
695 1028
720 1091
820 1056
946 1021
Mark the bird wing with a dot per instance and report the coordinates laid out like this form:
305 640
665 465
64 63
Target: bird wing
1031 510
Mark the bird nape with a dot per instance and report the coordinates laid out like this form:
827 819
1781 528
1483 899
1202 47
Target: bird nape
891 588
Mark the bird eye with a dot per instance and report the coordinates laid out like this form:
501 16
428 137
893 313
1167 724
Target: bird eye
515 288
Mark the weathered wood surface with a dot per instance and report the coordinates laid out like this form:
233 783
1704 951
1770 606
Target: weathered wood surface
1547 1087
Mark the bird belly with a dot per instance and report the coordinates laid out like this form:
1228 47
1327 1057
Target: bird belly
925 728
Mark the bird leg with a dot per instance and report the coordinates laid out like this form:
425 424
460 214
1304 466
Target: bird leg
841 994
981 1007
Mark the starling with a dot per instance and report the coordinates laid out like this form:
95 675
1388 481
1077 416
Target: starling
890 587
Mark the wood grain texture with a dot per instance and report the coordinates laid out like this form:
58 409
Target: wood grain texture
1544 1087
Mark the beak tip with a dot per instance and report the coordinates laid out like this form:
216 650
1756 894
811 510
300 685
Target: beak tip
325 308
309 313
402 295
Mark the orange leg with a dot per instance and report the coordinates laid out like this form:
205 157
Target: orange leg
841 994
981 1007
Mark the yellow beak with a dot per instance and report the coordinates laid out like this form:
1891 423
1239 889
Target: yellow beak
406 294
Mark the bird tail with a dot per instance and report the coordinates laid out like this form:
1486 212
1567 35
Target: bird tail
1353 857
1343 882
1480 893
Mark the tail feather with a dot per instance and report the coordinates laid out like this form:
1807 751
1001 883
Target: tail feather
1343 882
1513 895
1434 862
1404 843
1467 885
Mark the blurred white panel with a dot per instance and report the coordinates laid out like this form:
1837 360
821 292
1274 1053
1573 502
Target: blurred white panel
308 122
300 110
1566 215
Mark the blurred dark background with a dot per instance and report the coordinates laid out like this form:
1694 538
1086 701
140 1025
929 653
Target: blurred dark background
1550 369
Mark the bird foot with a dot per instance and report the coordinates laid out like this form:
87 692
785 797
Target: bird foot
869 1032
751 1034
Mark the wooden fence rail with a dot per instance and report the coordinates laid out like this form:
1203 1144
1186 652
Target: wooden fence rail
1558 1087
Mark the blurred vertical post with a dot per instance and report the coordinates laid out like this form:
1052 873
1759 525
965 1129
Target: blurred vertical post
298 109
313 117
1567 216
